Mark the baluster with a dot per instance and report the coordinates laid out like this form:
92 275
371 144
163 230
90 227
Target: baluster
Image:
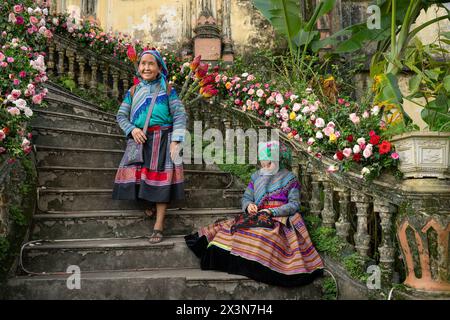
343 224
61 56
94 66
81 65
328 213
296 164
51 60
105 72
361 238
315 202
71 57
386 250
126 83
115 89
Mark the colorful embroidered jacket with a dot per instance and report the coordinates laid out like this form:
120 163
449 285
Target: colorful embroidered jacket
168 110
281 190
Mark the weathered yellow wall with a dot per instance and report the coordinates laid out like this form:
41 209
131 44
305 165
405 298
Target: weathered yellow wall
159 22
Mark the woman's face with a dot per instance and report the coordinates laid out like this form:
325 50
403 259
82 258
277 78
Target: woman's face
265 164
148 67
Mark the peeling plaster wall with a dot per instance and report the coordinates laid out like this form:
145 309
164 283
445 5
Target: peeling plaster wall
160 22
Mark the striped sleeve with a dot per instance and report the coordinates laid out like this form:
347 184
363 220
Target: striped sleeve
293 205
179 116
123 115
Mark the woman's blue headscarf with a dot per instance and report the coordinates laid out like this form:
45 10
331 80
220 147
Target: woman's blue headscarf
164 71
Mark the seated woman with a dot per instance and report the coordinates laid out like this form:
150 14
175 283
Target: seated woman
269 241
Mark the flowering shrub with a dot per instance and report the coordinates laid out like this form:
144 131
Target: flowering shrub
349 133
22 71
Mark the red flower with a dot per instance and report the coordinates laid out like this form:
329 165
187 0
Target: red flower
208 91
384 147
207 80
131 53
339 155
202 70
136 81
350 138
374 139
195 63
357 157
372 133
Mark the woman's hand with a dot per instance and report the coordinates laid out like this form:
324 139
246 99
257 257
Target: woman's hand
252 208
174 150
138 135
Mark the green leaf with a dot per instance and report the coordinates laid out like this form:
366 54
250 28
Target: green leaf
446 82
414 83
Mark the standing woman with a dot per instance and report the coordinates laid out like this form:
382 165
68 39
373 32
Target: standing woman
159 179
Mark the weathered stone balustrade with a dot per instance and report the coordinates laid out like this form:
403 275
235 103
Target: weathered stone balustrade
375 219
88 69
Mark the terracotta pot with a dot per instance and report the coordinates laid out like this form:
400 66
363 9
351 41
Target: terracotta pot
424 154
424 242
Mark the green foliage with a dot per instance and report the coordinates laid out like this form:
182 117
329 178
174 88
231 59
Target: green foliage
355 265
16 214
4 247
329 289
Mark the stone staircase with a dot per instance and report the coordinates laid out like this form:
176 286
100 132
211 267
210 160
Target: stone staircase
78 151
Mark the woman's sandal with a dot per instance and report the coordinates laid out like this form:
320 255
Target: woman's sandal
150 212
156 236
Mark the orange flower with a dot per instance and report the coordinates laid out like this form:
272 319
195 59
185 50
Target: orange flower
228 85
208 91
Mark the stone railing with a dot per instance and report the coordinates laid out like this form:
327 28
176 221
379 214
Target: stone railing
88 69
383 221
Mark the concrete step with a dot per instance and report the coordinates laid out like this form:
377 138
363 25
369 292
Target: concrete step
91 157
121 223
156 284
63 137
61 100
62 199
84 177
109 254
53 119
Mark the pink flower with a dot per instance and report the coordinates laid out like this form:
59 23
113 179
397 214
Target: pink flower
328 131
16 82
10 59
354 118
18 8
260 93
365 115
2 57
320 123
2 150
332 168
311 141
34 20
251 91
279 99
347 152
361 141
14 111
25 143
37 99
394 155
12 18
367 151
22 74
19 20
16 94
341 101
2 135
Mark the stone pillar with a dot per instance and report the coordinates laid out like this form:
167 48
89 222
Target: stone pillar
315 202
227 53
105 73
81 65
386 250
328 213
343 224
71 58
361 238
94 67
61 56
51 59
207 41
115 88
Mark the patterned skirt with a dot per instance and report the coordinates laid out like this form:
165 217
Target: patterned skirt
280 255
158 179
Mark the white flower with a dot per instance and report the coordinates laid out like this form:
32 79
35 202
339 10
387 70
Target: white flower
320 123
319 135
38 64
332 168
309 90
296 107
45 11
293 97
25 143
361 141
279 99
311 141
28 112
356 149
260 93
244 75
305 110
20 103
375 110
365 171
299 117
365 114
